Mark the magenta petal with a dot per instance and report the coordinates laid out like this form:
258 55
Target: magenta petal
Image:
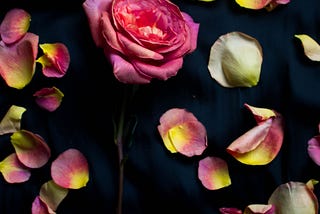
227 210
13 170
314 149
14 25
31 149
40 207
49 98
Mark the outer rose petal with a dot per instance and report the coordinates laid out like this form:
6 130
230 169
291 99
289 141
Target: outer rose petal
235 60
310 46
49 98
261 144
213 173
14 25
70 170
294 198
31 149
11 122
182 132
226 210
40 207
13 170
314 149
259 209
52 194
55 61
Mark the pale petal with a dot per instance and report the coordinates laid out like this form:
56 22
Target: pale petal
11 122
260 209
310 46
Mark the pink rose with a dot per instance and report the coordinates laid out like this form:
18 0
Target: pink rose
143 39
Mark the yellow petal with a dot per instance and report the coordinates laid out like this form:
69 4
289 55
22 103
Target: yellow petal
11 122
310 46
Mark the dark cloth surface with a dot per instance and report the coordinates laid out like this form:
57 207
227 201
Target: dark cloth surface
155 180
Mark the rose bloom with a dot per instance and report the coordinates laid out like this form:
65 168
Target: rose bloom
143 39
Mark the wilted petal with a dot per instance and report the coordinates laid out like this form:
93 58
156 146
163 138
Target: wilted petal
260 209
40 207
235 60
52 194
310 46
314 149
17 61
49 98
182 132
55 61
14 25
11 122
213 173
294 198
13 170
31 149
261 144
227 210
70 169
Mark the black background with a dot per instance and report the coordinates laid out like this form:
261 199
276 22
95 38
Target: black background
157 181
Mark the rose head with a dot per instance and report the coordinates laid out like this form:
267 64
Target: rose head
143 39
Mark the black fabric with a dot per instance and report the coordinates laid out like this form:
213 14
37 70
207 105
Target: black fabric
155 180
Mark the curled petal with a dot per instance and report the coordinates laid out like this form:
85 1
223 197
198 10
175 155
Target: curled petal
49 98
182 132
213 173
261 144
235 60
40 207
31 148
314 149
310 46
259 209
52 194
14 25
55 61
228 210
17 61
294 198
260 114
259 4
13 170
11 122
70 169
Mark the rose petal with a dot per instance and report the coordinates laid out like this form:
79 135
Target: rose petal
31 149
13 170
227 210
52 194
235 60
70 169
257 4
17 61
310 46
55 61
15 25
260 114
49 98
182 132
314 149
294 197
259 209
261 144
11 122
213 173
40 207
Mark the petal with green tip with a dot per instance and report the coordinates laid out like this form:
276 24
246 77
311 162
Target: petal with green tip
13 170
31 149
11 122
49 98
182 132
70 169
213 173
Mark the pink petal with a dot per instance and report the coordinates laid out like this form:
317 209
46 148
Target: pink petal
55 61
294 197
314 149
40 207
49 98
260 114
260 209
11 122
17 61
213 173
182 132
52 194
31 149
13 170
14 25
226 210
70 169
